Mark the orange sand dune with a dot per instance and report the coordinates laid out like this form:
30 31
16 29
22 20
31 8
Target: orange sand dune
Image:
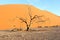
8 15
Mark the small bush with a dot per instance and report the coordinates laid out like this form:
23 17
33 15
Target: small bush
20 29
15 29
46 26
39 26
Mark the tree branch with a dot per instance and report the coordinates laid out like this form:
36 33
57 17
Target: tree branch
23 20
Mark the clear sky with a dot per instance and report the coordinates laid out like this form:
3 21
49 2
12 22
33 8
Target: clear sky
50 5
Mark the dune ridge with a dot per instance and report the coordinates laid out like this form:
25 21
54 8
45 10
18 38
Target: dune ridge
9 12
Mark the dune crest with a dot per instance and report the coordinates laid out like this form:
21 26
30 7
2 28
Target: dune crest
8 15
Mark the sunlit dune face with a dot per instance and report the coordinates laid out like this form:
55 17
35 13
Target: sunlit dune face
9 14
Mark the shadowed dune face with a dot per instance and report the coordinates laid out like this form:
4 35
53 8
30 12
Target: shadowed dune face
8 15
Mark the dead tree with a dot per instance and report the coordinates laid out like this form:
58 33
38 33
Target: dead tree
31 19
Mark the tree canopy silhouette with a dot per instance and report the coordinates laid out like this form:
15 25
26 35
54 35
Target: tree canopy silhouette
32 18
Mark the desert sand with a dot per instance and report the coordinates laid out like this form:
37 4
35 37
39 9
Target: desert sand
9 12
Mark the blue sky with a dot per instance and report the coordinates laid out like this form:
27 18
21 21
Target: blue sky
50 5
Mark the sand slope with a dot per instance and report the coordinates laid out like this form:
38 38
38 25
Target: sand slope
8 15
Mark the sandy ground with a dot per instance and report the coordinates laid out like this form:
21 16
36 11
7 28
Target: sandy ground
30 35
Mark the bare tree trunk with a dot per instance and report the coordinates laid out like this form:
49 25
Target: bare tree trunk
28 26
27 29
